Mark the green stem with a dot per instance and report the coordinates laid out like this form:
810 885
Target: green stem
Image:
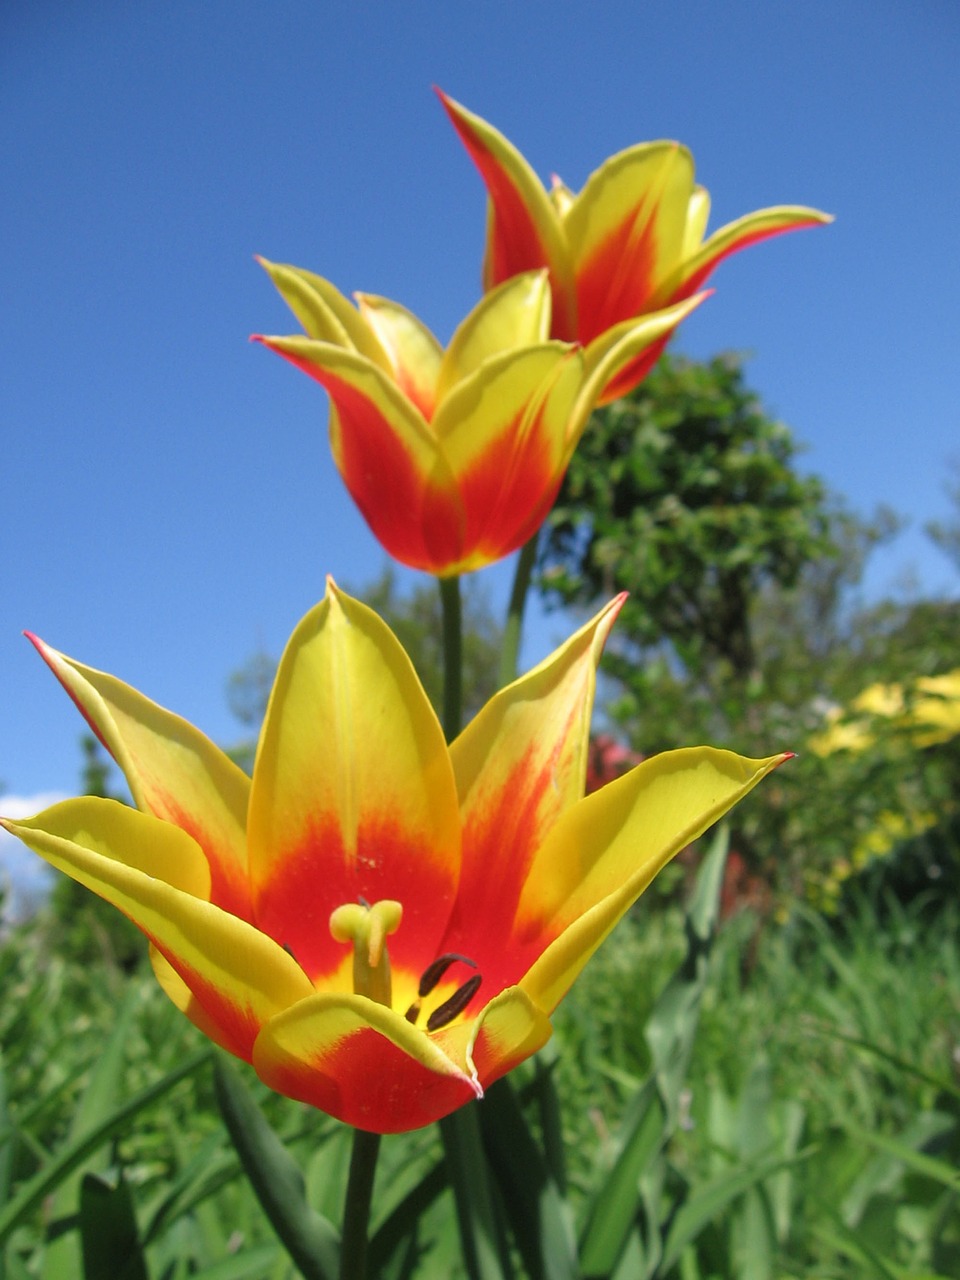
523 573
356 1208
452 656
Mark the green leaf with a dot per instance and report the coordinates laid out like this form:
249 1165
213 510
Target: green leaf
708 1201
108 1231
311 1240
483 1244
926 1166
104 1086
613 1207
401 1224
254 1264
539 1216
8 1148
73 1154
652 1114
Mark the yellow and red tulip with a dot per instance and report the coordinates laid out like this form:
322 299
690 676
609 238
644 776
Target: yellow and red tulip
630 244
380 924
454 457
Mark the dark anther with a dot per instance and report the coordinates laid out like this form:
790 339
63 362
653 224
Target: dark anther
434 972
289 950
363 902
456 1004
413 1013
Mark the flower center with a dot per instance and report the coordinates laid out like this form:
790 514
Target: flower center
367 928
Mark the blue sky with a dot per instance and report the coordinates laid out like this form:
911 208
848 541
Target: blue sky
169 503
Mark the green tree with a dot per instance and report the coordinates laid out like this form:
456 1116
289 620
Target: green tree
742 628
945 534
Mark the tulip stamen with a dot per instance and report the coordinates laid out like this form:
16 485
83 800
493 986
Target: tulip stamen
447 1011
434 972
429 979
367 928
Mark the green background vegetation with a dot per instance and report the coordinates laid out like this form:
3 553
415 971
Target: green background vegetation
761 1085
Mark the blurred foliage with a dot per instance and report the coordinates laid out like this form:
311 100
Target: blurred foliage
945 534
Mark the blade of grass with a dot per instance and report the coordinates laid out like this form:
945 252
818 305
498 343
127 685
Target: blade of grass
72 1154
707 1202
926 1166
62 1260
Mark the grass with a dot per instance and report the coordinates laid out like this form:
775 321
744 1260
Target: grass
824 1077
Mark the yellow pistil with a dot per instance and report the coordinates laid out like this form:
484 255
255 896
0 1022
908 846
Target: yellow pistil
367 928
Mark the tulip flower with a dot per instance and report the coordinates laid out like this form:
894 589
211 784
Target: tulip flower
380 924
630 244
453 457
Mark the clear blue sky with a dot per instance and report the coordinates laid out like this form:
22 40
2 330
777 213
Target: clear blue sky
169 503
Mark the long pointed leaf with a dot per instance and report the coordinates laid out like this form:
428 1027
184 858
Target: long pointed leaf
401 1223
62 1260
72 1155
311 1241
538 1215
652 1114
707 1202
108 1231
482 1240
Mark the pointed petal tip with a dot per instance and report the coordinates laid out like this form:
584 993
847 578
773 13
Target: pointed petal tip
46 651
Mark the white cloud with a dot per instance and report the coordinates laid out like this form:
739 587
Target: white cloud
24 877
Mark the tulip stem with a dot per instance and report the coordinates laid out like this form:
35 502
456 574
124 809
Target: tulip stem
510 652
356 1208
452 656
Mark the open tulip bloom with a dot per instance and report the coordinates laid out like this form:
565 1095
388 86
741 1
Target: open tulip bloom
455 456
380 924
631 243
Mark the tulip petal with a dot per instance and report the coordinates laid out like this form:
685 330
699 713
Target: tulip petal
524 232
698 214
180 995
173 771
361 1062
240 977
514 314
622 357
625 232
519 765
386 453
750 229
324 312
414 353
503 432
604 852
353 792
507 1031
